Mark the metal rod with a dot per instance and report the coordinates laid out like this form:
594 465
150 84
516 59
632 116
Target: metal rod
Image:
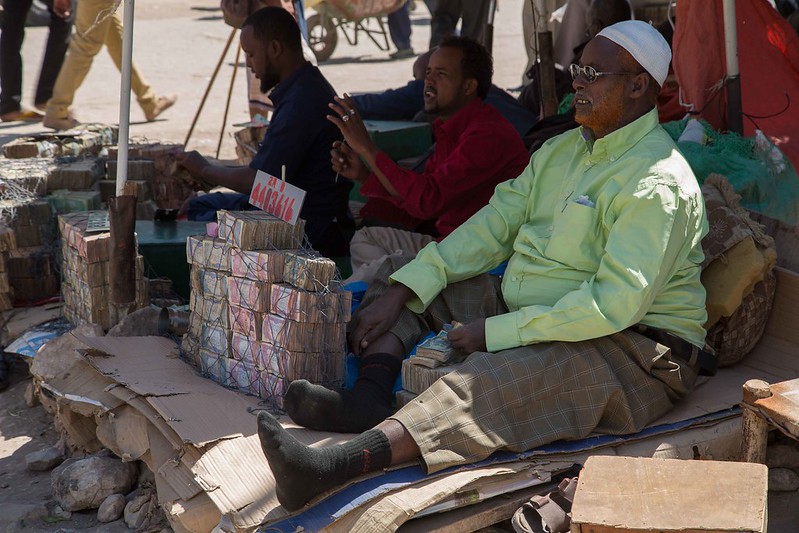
227 104
208 88
733 81
124 97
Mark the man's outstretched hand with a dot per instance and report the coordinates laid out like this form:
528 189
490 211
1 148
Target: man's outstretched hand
470 337
378 317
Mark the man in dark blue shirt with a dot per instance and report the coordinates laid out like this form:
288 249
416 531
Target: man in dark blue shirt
298 137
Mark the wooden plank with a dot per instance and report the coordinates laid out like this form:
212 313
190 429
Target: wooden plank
785 313
475 517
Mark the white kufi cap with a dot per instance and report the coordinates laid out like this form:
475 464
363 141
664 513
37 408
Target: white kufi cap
644 43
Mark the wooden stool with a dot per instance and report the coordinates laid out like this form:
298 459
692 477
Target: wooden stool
638 494
763 406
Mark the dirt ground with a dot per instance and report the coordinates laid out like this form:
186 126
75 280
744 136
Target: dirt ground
177 45
26 496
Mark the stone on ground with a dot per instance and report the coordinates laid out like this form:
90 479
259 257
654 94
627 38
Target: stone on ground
85 483
44 460
112 508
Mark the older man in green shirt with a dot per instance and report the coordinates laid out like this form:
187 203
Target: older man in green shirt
597 325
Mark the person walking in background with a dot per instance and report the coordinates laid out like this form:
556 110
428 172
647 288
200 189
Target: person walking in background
12 33
399 26
446 14
97 24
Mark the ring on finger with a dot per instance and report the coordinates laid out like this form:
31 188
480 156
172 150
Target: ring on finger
351 112
345 118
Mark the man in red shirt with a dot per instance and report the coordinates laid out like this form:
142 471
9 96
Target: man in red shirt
475 149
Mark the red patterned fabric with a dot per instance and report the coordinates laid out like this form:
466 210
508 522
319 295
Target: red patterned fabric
768 57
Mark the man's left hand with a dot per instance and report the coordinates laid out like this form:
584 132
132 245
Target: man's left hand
350 123
470 337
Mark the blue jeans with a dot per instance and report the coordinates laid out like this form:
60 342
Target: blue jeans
399 26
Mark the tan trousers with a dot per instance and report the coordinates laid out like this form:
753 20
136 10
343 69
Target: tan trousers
371 245
106 29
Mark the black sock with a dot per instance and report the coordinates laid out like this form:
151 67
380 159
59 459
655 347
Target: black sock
352 411
302 472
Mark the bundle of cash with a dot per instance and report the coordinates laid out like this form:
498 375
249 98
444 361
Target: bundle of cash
303 336
304 306
308 271
138 170
436 351
208 309
8 240
257 230
208 282
403 397
246 322
24 177
263 265
65 201
242 376
417 378
215 339
213 365
208 252
251 294
25 147
77 175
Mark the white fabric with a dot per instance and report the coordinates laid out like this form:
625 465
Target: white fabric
645 44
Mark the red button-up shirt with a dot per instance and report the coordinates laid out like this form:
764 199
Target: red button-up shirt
476 149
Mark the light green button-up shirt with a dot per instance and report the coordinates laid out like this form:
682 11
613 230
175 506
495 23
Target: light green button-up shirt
599 236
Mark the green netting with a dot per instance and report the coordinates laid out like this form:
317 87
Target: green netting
759 172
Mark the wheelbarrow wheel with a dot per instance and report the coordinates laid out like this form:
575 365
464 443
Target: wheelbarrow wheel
322 37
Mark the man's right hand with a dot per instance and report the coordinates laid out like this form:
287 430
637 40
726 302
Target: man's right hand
379 317
346 162
192 161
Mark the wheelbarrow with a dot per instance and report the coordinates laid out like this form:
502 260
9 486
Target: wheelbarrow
353 18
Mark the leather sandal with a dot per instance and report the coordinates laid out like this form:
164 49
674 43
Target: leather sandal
550 513
22 115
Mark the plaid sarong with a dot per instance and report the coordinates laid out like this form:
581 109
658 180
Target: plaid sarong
525 397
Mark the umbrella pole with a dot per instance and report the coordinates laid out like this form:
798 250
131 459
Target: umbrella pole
733 80
122 208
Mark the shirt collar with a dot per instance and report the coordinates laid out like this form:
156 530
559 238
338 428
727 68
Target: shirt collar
455 125
282 88
614 144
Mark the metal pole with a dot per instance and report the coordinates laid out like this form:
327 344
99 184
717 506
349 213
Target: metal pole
733 82
122 208
124 96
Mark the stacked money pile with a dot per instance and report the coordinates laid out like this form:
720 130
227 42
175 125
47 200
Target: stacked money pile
434 358
85 273
264 312
31 273
22 178
7 246
248 139
83 140
31 219
166 189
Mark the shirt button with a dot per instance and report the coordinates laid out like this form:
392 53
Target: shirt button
514 278
612 158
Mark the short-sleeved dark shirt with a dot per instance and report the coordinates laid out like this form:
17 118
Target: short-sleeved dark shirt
300 137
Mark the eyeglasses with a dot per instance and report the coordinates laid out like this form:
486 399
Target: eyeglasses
591 74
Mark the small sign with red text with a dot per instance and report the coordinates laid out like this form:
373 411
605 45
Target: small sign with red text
277 197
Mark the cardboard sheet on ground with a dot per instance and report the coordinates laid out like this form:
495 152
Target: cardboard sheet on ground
210 465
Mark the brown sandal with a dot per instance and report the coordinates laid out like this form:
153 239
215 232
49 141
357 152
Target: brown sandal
550 513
